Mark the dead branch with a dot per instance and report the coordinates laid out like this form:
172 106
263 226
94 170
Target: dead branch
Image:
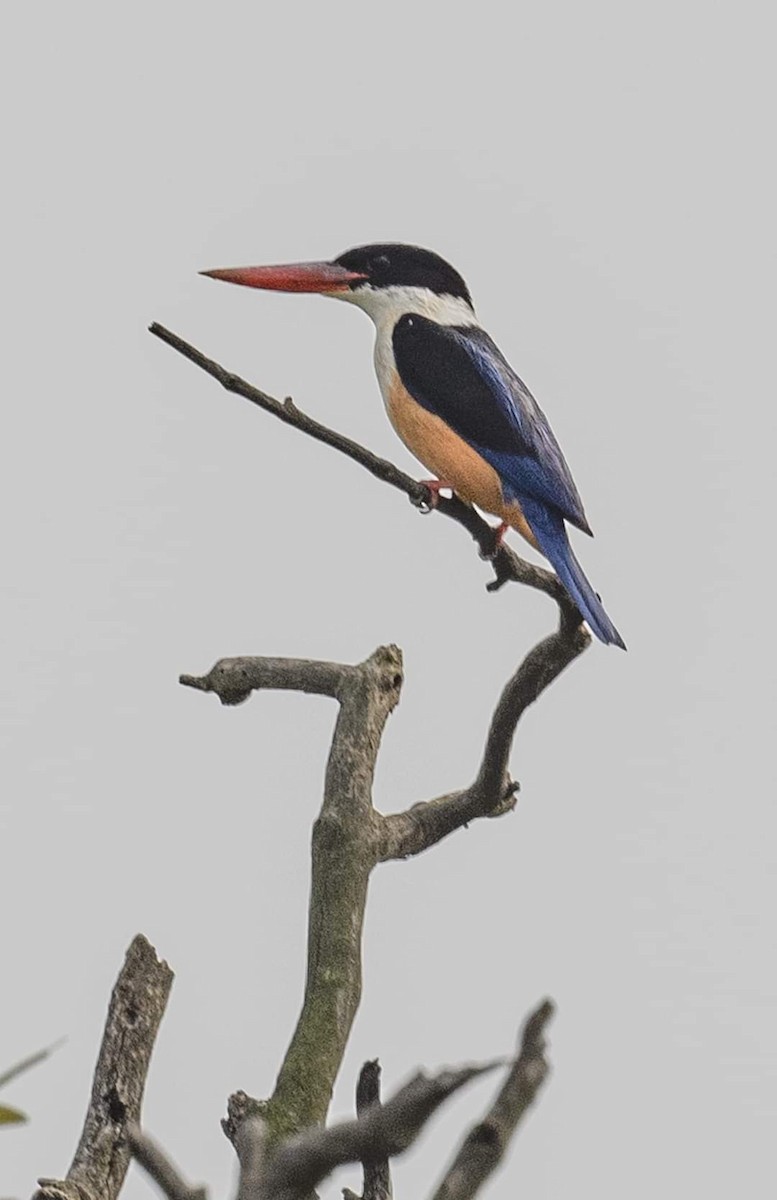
283 1150
508 566
350 837
344 853
405 834
250 1141
376 1183
233 679
381 1132
492 794
136 1008
293 1168
154 1161
484 1146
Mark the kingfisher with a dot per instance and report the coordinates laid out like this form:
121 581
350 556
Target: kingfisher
453 398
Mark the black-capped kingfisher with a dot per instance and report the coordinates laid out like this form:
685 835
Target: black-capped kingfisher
453 398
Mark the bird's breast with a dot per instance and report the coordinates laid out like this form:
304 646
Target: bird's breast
448 456
435 444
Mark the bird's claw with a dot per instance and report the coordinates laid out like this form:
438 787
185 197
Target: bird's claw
434 487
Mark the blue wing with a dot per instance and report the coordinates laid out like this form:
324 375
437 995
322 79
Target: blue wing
458 373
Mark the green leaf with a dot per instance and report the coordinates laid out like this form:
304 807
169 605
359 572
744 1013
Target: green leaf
11 1116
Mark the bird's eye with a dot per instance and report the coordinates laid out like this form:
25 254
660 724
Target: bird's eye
381 262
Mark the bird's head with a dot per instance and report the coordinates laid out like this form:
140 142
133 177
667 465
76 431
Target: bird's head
385 279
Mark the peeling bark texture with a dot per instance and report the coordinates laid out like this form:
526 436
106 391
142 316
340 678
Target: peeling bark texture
484 1146
507 565
136 1008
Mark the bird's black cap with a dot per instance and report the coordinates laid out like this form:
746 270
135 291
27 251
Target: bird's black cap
393 264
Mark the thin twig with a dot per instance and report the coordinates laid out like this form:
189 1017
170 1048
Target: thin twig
507 565
538 670
493 793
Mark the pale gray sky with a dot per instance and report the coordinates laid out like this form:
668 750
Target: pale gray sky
603 176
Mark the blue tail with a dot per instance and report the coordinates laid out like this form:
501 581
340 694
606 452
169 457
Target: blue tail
550 531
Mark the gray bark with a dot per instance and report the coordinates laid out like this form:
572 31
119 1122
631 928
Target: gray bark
136 1009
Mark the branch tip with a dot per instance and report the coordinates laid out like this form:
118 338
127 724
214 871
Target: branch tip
532 1036
200 682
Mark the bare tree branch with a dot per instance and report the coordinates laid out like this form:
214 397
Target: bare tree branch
343 853
484 1146
492 794
376 1172
233 679
507 565
136 1008
350 837
251 1146
380 1133
404 834
293 1167
283 1151
154 1161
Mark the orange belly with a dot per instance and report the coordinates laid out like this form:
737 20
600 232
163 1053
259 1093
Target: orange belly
451 459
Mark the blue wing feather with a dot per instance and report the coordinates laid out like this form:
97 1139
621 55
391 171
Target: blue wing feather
460 374
548 527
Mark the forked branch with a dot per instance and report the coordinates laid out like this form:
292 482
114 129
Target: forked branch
283 1148
295 1167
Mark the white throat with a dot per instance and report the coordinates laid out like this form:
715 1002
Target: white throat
386 305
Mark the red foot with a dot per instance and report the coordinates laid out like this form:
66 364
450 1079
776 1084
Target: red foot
499 534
